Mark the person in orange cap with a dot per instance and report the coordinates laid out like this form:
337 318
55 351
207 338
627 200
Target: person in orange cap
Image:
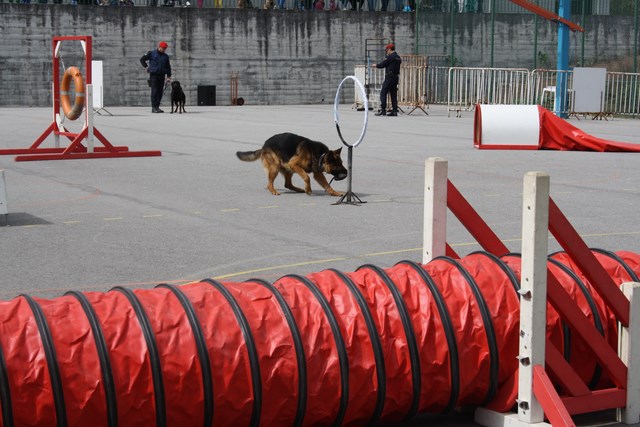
391 64
159 69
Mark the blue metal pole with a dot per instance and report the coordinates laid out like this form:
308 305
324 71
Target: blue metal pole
564 11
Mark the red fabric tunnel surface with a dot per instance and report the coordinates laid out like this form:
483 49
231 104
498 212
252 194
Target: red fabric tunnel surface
558 134
331 348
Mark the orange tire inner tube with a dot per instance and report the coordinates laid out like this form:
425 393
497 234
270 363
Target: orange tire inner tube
74 112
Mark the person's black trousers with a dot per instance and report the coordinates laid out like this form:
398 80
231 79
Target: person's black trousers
157 87
389 86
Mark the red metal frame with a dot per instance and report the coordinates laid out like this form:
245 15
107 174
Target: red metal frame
577 398
75 150
547 15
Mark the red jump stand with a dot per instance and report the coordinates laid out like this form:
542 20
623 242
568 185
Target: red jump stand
76 149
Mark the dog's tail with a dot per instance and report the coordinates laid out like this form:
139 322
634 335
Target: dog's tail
249 156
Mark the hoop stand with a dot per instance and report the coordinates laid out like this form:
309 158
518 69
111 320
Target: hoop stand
349 196
75 150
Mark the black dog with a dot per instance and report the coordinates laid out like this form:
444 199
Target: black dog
177 97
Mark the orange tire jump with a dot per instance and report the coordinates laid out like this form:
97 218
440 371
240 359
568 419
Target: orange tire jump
72 113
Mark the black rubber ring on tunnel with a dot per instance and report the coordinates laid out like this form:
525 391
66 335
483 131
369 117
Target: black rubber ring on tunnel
103 356
52 361
201 346
376 345
614 256
254 362
5 393
448 331
154 357
301 358
339 341
504 267
414 354
494 362
597 321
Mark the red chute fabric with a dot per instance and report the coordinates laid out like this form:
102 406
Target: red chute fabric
327 349
557 134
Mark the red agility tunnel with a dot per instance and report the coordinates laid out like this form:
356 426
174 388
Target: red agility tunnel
330 348
532 127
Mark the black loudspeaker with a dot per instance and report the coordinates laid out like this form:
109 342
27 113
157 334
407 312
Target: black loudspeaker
206 95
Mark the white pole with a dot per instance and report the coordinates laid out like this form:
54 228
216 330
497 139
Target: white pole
89 117
533 289
435 209
4 209
629 351
56 116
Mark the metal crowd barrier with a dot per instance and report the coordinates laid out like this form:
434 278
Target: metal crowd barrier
470 86
412 84
543 89
622 94
462 88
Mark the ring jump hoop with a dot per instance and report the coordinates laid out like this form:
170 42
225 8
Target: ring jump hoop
350 197
83 103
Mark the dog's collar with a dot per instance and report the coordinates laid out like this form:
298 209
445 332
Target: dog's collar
321 161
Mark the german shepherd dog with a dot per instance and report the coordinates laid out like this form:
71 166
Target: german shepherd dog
288 153
177 97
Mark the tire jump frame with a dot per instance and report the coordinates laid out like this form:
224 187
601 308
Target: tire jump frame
84 100
332 348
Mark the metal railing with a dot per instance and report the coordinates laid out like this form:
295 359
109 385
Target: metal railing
412 84
543 90
622 94
462 88
470 86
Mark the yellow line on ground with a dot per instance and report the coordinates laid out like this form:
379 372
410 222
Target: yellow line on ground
230 210
268 207
277 267
115 218
72 222
152 216
329 260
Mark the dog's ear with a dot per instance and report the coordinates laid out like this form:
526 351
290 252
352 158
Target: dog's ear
338 151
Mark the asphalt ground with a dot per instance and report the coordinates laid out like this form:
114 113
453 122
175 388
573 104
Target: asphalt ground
198 212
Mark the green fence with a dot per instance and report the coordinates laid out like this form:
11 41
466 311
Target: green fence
451 13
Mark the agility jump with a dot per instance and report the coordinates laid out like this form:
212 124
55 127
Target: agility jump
83 102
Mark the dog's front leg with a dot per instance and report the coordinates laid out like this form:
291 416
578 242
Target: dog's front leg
307 181
295 167
320 178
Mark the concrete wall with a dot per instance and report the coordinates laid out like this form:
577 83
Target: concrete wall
281 56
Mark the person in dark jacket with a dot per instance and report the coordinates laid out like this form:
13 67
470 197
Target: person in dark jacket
391 66
159 69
